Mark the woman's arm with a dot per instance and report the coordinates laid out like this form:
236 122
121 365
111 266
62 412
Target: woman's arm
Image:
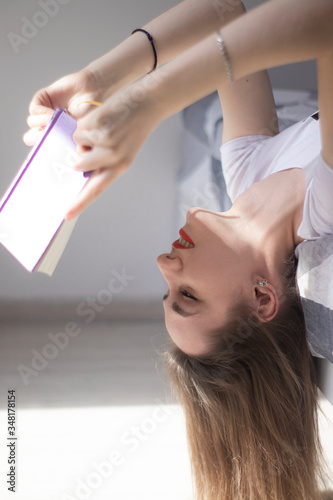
275 33
325 88
173 32
278 32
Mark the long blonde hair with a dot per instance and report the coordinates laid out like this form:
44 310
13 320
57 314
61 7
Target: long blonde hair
251 409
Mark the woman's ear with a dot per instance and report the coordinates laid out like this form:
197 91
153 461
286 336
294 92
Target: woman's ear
267 302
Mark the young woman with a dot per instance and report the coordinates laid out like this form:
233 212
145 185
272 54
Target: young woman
239 358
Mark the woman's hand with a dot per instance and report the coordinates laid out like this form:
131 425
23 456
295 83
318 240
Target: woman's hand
175 31
67 93
110 137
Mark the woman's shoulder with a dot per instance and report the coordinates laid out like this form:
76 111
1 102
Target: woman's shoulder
249 159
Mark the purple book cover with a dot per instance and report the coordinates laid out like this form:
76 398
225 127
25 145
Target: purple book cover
34 206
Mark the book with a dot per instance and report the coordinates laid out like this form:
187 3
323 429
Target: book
32 211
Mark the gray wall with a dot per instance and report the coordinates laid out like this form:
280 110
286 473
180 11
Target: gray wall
136 219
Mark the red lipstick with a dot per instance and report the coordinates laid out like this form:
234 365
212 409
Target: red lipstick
184 242
185 236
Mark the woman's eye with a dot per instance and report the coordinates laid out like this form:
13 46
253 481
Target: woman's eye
188 295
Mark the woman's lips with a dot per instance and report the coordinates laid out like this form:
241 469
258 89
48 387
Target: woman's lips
185 236
184 242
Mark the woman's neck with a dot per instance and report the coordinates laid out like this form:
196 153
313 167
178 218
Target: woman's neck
271 212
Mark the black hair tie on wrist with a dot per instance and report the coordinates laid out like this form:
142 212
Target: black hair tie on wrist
151 41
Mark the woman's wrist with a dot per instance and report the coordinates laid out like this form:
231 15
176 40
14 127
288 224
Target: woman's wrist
89 82
124 64
173 32
191 76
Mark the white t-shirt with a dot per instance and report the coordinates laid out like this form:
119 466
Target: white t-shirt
250 159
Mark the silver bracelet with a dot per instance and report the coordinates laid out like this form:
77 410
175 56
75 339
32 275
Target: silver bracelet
224 53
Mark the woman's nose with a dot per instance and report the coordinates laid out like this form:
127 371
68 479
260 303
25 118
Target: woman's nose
169 263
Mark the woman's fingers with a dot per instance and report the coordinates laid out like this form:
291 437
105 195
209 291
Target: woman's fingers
107 139
87 138
36 121
40 103
32 136
40 114
96 158
107 165
98 182
95 130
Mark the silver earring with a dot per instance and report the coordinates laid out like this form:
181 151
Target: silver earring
262 283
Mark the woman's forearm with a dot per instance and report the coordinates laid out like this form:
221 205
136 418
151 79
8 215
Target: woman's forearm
173 32
190 22
278 32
